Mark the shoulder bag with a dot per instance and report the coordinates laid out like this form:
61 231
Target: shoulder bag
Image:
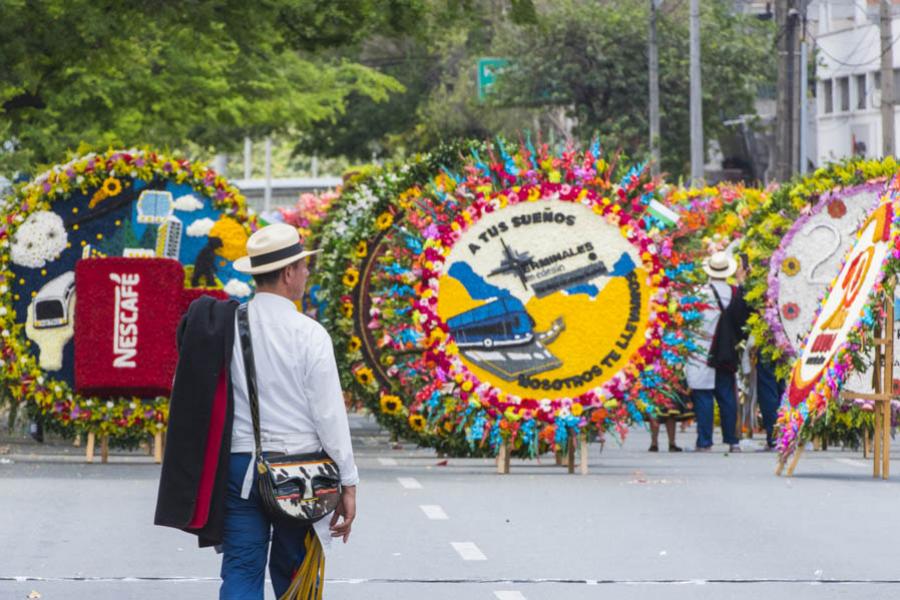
303 488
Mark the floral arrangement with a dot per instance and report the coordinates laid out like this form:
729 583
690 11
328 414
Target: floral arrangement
799 272
711 219
42 225
309 210
807 399
766 228
384 237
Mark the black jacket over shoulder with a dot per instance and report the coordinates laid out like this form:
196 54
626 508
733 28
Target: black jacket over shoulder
194 476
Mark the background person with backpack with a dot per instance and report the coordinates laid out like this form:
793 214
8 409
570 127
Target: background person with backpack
711 370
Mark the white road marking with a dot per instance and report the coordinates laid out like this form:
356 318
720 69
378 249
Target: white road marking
509 595
434 512
468 551
852 462
409 483
387 462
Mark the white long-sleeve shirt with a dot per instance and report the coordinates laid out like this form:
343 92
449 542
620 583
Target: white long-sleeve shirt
301 406
701 376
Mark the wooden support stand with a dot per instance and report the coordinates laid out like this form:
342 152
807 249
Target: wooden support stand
104 448
89 449
158 447
504 453
503 459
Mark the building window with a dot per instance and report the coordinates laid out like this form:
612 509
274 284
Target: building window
861 95
828 96
876 80
844 91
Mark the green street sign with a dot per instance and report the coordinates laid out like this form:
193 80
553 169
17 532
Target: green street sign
488 71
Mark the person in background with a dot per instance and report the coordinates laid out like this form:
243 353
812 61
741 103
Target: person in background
769 391
711 370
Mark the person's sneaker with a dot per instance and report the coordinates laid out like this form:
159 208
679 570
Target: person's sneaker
674 448
734 448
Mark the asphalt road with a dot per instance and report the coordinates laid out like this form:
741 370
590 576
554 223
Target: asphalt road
640 525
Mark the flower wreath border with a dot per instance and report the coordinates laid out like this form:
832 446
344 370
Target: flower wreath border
19 370
611 397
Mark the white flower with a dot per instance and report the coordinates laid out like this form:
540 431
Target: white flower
236 287
200 227
88 402
110 404
188 203
40 239
132 405
3 311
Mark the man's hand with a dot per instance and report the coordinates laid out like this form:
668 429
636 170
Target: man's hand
346 508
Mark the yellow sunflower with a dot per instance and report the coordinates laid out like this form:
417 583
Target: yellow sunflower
362 249
417 422
364 376
384 221
355 344
790 266
577 409
112 186
347 309
390 404
351 278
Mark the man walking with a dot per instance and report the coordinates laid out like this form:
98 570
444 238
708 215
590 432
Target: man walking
208 484
711 370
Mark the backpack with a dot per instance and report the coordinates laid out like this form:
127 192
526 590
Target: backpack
729 332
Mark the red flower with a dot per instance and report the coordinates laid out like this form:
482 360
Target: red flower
790 311
837 209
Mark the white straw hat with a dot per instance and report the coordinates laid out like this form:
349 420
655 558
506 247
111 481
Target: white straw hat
720 265
271 248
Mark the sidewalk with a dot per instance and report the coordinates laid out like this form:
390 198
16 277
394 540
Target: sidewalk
17 447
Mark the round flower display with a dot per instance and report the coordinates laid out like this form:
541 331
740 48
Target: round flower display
844 323
814 246
127 235
474 325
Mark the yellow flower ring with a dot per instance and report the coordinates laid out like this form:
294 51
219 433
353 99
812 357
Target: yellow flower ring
36 360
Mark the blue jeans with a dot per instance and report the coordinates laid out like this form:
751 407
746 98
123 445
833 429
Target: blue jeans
725 394
768 393
246 542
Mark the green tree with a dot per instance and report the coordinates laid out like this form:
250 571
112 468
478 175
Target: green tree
589 59
80 73
435 62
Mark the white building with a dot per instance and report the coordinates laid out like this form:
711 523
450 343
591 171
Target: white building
848 79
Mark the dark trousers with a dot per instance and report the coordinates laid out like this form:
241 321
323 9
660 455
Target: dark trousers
768 394
246 544
725 394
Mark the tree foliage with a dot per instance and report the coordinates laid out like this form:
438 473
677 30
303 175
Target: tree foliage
591 59
81 73
574 62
